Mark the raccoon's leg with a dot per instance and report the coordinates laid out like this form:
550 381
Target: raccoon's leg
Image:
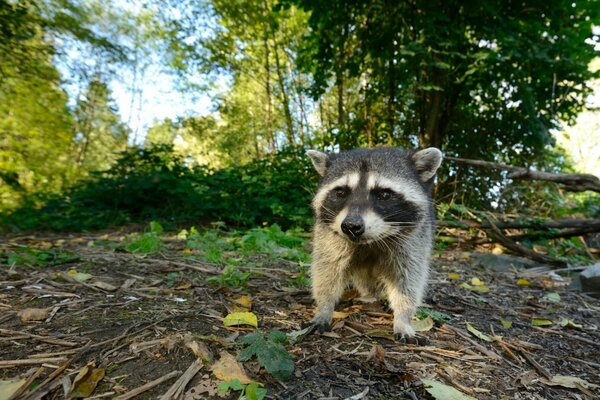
405 293
328 284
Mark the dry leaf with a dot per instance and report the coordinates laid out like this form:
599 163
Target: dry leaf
242 303
199 349
422 325
439 391
34 314
340 315
8 388
377 353
228 368
86 380
105 286
478 333
569 382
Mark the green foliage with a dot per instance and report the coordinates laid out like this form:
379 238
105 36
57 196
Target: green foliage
270 353
156 184
301 278
250 391
230 277
147 242
29 256
438 316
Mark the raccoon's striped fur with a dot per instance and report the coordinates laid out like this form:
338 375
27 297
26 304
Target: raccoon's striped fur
374 229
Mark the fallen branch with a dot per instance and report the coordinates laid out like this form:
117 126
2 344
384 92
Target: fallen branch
148 386
571 182
495 233
178 387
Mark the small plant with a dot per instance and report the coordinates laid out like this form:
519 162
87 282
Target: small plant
29 256
270 353
148 242
301 278
231 277
250 391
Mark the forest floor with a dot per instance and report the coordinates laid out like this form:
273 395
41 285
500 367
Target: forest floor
81 309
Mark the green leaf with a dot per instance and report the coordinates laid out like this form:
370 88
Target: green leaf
254 392
439 391
155 227
270 354
552 297
478 333
541 322
506 324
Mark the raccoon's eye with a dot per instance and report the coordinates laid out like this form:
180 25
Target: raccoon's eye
341 192
384 194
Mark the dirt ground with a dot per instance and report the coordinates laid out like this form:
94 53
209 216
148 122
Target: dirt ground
141 319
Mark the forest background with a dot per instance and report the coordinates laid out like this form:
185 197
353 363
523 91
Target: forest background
252 84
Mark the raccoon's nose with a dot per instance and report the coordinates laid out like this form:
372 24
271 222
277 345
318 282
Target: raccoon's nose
353 226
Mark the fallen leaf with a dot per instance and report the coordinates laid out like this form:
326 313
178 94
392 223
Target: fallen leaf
568 323
572 382
227 368
541 322
79 276
422 325
105 286
506 324
241 318
8 388
478 333
377 353
198 348
242 303
552 297
340 315
86 380
475 281
33 314
298 336
523 282
439 391
454 276
477 288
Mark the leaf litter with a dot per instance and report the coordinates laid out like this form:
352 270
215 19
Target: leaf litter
117 330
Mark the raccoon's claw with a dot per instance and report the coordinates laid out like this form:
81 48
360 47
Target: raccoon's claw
320 327
406 339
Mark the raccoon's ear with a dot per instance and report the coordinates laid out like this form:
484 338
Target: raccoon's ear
319 160
427 161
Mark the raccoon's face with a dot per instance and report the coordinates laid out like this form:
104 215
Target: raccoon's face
370 195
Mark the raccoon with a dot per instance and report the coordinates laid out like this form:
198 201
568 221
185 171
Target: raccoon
373 230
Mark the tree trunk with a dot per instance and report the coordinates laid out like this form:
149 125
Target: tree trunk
285 98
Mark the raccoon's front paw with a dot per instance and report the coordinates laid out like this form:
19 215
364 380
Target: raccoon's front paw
321 326
407 339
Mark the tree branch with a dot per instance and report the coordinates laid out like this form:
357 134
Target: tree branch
571 182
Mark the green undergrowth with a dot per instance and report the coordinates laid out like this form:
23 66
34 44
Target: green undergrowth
156 184
242 252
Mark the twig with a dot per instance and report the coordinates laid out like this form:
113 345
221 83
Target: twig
148 386
178 387
359 396
28 361
479 347
49 383
543 371
581 339
44 339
